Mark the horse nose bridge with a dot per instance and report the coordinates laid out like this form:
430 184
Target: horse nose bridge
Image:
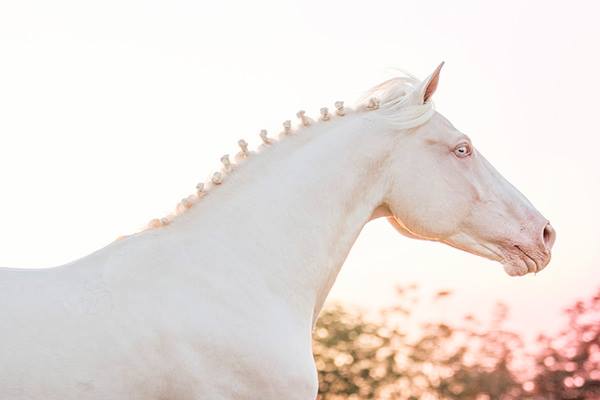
512 202
519 208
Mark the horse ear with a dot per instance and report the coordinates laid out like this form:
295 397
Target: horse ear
430 84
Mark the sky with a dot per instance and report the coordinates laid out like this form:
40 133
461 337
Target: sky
112 111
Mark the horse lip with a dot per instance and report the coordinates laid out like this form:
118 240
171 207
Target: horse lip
537 265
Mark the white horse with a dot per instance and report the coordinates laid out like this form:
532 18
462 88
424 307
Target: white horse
219 301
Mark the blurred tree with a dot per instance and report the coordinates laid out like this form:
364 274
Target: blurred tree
361 358
568 366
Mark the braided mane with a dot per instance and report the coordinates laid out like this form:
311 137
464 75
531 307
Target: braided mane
395 99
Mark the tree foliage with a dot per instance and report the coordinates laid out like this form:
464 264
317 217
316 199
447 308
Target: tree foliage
568 365
378 357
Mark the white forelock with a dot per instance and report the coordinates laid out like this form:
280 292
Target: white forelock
401 102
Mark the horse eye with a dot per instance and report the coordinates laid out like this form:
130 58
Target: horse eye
462 150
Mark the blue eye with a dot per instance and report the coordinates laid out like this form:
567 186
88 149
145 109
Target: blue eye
462 150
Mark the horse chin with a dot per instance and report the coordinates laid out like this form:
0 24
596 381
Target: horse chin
515 268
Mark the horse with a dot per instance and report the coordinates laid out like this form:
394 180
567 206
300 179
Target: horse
218 301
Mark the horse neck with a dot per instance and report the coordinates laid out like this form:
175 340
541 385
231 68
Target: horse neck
294 211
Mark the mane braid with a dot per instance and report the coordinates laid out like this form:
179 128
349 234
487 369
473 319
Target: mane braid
391 98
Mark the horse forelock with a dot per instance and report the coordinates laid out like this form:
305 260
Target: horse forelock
401 102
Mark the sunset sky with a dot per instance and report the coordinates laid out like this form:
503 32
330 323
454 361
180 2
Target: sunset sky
112 111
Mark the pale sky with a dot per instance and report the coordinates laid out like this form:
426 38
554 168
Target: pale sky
112 111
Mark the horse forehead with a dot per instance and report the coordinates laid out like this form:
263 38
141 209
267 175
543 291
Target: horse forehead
440 128
438 118
441 123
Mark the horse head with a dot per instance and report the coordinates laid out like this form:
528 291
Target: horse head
442 189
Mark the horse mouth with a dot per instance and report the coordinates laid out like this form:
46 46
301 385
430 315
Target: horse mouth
519 262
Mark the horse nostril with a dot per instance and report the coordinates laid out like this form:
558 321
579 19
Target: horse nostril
549 236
